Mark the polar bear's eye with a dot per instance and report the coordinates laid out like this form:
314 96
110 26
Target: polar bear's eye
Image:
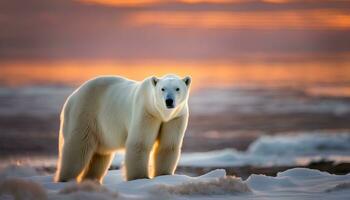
177 89
163 89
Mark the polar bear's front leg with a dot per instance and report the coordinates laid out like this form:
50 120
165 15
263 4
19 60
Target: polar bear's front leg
138 148
167 152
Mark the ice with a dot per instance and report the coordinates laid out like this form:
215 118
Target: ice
259 182
288 149
230 157
300 180
297 183
301 144
222 186
302 173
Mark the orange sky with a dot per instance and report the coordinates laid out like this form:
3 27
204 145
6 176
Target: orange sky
212 74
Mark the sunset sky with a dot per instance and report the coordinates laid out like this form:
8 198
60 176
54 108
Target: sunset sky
186 29
183 31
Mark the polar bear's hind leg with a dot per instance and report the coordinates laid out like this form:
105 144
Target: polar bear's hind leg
98 167
75 157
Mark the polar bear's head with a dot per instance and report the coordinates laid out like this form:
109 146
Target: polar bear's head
170 91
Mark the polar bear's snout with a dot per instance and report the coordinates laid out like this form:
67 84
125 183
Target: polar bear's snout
169 102
171 93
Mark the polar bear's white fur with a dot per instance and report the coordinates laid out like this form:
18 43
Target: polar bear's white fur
111 113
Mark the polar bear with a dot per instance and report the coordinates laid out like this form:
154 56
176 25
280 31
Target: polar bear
110 113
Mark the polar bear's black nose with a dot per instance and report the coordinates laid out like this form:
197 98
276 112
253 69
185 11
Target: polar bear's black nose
169 103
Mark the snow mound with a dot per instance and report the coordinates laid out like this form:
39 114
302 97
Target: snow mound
86 186
87 190
278 150
217 173
300 180
301 144
15 188
264 183
82 195
230 157
219 186
302 173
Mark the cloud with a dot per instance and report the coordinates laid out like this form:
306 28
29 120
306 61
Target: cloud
181 30
300 20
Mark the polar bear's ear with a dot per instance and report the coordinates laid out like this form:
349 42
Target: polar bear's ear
187 80
154 81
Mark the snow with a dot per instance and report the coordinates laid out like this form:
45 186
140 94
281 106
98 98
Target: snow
287 149
297 183
301 180
230 157
279 150
302 144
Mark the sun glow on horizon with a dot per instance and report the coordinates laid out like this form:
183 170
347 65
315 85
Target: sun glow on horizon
223 75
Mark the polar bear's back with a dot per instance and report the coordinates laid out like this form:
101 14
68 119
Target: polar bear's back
95 89
91 98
